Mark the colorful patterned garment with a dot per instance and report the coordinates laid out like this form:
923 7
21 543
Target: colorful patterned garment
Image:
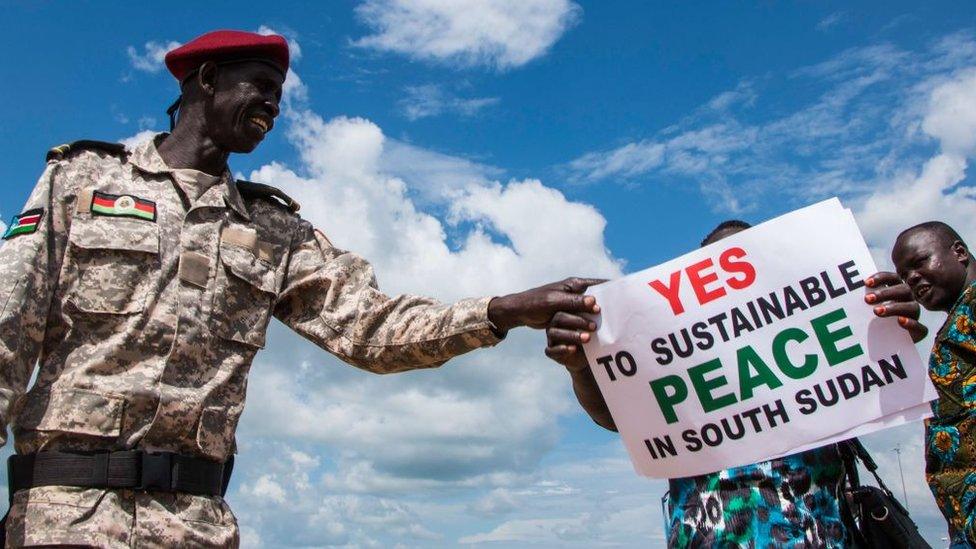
950 457
790 502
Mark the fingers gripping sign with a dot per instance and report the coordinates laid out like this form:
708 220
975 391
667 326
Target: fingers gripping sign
565 336
892 297
535 308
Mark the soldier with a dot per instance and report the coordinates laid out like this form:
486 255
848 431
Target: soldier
142 283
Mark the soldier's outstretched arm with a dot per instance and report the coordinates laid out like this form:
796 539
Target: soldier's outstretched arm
330 297
30 260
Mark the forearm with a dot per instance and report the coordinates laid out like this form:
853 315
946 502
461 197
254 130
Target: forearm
591 399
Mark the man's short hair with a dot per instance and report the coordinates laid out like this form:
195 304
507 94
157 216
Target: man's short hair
723 226
946 234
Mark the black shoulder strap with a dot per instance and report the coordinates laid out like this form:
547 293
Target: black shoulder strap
63 151
249 189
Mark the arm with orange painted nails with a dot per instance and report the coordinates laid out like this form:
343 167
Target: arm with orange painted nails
565 336
890 296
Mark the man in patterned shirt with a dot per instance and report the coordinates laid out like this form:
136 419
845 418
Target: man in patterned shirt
787 502
939 272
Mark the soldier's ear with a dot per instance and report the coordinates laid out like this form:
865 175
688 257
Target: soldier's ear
207 77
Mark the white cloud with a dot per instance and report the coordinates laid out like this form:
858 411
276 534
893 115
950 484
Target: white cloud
498 33
938 190
868 126
151 58
386 448
831 21
3 226
432 100
294 48
141 137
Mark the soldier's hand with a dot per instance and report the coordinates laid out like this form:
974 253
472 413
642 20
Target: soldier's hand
535 308
890 296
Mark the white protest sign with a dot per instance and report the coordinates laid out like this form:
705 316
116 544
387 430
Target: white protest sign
755 346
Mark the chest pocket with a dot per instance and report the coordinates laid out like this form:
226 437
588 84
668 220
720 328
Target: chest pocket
246 289
112 262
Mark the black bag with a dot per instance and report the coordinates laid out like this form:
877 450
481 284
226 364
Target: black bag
873 516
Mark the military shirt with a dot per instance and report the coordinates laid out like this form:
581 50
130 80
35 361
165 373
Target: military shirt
143 307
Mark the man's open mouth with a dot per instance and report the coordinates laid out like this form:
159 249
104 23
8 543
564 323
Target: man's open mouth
263 123
922 290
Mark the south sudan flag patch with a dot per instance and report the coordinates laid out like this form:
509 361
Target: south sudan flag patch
113 205
25 223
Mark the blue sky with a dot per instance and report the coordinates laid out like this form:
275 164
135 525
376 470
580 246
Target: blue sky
473 148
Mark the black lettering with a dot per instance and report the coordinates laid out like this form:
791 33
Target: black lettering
717 321
691 438
650 449
772 414
713 440
829 286
739 322
849 385
869 377
807 404
705 338
893 367
834 397
849 274
606 362
771 308
811 289
663 447
683 353
756 320
628 369
660 346
741 429
751 415
793 301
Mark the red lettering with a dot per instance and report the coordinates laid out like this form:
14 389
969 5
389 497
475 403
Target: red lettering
699 281
748 272
670 292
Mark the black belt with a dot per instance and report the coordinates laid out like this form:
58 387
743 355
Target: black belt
132 469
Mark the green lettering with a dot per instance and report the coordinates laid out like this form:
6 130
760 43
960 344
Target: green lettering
667 401
828 339
704 387
783 360
764 376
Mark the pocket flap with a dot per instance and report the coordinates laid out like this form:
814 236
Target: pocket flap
115 233
85 412
245 265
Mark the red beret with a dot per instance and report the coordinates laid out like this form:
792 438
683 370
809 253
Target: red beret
227 45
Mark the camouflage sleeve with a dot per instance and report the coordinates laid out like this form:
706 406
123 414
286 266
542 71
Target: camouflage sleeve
330 297
30 259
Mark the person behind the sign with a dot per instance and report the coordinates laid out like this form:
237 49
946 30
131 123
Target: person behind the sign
785 502
936 269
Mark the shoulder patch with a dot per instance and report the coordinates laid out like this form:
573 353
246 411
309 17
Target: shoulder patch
64 151
25 223
249 189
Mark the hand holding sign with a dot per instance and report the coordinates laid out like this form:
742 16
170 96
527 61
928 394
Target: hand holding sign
892 297
753 347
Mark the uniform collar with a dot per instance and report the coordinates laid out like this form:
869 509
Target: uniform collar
146 158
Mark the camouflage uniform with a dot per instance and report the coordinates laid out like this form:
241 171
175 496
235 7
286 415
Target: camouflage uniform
144 331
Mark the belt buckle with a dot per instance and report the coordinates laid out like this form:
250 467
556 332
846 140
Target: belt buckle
156 471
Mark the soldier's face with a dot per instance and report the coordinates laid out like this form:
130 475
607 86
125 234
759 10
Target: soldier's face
244 105
934 269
